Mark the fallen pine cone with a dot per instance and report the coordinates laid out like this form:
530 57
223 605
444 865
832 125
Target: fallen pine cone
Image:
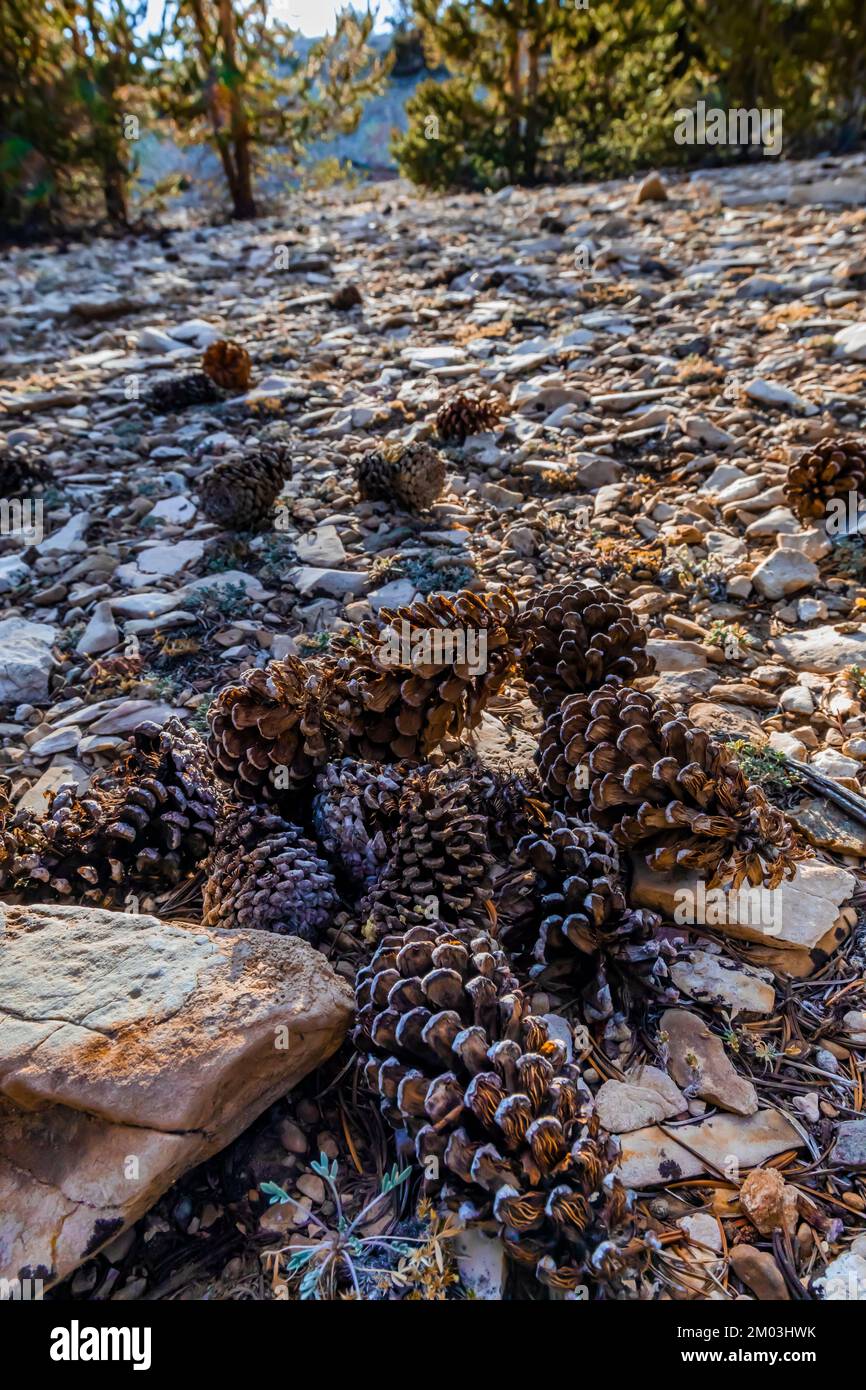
501 1120
240 491
461 415
829 470
266 875
228 364
663 787
406 475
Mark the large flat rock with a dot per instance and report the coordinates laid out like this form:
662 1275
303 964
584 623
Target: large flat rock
729 1143
130 1050
796 915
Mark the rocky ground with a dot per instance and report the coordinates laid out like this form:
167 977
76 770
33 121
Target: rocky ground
665 356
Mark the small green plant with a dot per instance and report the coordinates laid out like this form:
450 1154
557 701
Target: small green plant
429 578
219 600
199 720
767 768
731 637
858 677
850 556
318 1270
701 578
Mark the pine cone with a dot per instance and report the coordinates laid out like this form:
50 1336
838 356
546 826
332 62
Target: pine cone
19 470
346 297
463 414
491 1101
267 733
355 812
239 492
662 785
9 846
409 475
440 850
265 874
179 392
584 637
426 672
229 365
573 880
152 818
514 805
831 469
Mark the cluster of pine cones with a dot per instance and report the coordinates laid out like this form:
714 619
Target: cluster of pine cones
323 783
239 492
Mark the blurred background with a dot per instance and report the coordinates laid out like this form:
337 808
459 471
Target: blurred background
116 114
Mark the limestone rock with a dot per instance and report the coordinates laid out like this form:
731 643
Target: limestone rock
844 1279
130 1050
26 661
759 1271
768 1201
821 649
784 572
798 913
650 1157
699 1060
647 1096
849 1150
717 981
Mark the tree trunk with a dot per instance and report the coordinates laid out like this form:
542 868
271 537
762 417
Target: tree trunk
114 182
514 96
531 139
242 193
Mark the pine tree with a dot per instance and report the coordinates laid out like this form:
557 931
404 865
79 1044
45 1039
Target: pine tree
239 86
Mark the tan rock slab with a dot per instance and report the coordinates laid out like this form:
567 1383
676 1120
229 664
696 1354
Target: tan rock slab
721 983
647 1096
797 914
724 1142
130 1050
698 1059
828 827
760 1273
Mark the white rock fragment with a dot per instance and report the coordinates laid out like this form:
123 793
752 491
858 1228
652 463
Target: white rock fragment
26 661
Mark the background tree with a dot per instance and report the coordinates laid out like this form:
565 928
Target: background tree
113 83
37 128
544 91
239 85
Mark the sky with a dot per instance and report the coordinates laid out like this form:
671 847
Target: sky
312 17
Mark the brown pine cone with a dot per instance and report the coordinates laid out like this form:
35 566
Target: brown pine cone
426 672
461 415
180 392
268 733
346 297
355 814
9 846
229 365
663 786
151 819
573 881
264 874
411 476
440 850
240 491
500 1118
584 637
831 469
19 470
